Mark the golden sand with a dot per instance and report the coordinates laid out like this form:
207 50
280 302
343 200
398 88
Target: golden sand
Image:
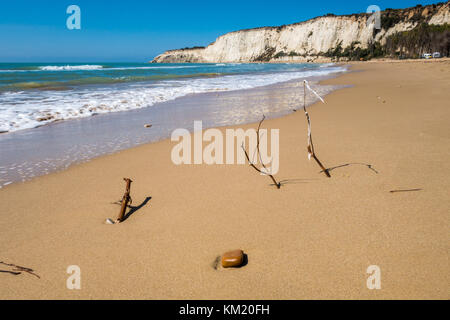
313 238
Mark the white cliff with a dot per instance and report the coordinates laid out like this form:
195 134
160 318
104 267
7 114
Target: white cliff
306 41
442 16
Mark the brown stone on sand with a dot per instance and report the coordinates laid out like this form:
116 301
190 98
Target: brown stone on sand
233 259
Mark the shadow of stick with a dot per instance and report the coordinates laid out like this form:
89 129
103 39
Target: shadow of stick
134 209
10 272
351 164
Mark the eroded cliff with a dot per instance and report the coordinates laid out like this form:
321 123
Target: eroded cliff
318 39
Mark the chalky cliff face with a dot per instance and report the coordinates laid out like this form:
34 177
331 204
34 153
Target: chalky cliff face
307 41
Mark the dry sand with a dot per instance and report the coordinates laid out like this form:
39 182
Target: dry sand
313 238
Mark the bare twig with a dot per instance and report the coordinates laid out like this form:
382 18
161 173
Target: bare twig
119 203
18 269
257 143
260 157
310 148
405 190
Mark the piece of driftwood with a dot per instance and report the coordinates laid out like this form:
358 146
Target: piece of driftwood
404 190
265 172
310 148
18 269
126 200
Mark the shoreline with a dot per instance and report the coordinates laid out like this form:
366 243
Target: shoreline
313 239
74 141
124 87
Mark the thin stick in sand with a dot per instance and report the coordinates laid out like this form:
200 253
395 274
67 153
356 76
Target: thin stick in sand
404 190
265 172
310 148
126 200
18 269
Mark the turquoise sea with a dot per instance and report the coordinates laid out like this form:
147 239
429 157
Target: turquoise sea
33 94
108 107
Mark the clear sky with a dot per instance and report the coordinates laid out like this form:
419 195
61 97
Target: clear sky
138 30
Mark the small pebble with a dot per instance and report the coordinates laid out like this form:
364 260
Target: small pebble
233 259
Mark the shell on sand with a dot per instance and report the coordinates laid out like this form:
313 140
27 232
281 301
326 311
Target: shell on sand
109 221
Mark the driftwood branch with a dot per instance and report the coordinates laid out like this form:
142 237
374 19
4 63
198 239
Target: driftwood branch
265 172
310 148
18 269
405 190
126 200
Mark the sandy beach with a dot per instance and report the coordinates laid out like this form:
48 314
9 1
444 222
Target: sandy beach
312 239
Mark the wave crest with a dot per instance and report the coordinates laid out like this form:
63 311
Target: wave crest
71 68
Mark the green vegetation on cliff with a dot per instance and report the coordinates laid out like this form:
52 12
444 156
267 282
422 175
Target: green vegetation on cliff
423 38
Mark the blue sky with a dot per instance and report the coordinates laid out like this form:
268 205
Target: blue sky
137 30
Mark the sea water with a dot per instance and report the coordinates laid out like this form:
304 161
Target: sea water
35 94
34 98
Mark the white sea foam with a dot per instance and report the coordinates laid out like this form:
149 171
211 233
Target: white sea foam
9 71
27 109
71 68
93 68
152 67
326 65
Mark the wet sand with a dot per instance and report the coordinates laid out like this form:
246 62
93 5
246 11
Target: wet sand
313 238
34 152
